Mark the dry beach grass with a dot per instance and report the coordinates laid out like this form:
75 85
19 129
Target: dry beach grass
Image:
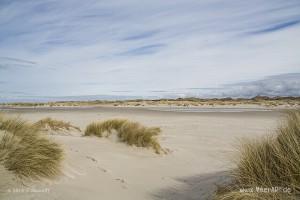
132 133
271 161
27 153
55 125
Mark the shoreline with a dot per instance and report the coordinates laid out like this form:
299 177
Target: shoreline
157 108
150 111
161 108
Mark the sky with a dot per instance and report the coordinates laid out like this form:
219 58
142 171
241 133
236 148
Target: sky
149 48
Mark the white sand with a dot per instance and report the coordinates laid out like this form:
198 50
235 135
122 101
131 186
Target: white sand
201 146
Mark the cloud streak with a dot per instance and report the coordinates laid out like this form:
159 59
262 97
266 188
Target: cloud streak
140 36
143 50
277 27
9 63
18 60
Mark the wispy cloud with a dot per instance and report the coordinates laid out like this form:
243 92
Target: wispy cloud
276 27
9 63
149 45
143 50
140 36
17 60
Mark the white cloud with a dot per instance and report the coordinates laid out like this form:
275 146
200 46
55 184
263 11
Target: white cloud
145 45
279 85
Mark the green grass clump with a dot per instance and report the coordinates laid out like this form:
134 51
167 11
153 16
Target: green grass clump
55 125
272 161
26 152
132 133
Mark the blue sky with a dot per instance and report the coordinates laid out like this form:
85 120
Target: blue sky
145 48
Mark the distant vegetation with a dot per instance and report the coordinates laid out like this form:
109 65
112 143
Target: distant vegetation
192 101
273 161
132 133
55 125
26 152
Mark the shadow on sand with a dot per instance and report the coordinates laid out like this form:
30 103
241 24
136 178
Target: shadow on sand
201 187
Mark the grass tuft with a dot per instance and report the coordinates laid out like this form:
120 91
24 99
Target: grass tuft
26 152
55 125
131 133
272 161
105 128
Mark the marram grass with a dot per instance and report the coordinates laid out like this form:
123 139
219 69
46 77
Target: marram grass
26 152
55 125
104 128
272 161
131 133
237 195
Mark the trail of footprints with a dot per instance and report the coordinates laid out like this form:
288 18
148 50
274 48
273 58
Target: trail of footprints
122 181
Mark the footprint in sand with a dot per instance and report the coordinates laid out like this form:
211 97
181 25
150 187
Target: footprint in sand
91 158
74 150
123 182
102 169
94 160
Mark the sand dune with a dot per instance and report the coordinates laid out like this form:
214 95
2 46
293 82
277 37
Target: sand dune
201 146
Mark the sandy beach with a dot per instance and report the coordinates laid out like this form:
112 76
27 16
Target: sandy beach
201 148
149 100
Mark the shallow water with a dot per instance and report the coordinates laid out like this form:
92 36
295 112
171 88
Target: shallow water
195 109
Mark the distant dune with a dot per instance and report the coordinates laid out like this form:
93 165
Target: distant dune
258 101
